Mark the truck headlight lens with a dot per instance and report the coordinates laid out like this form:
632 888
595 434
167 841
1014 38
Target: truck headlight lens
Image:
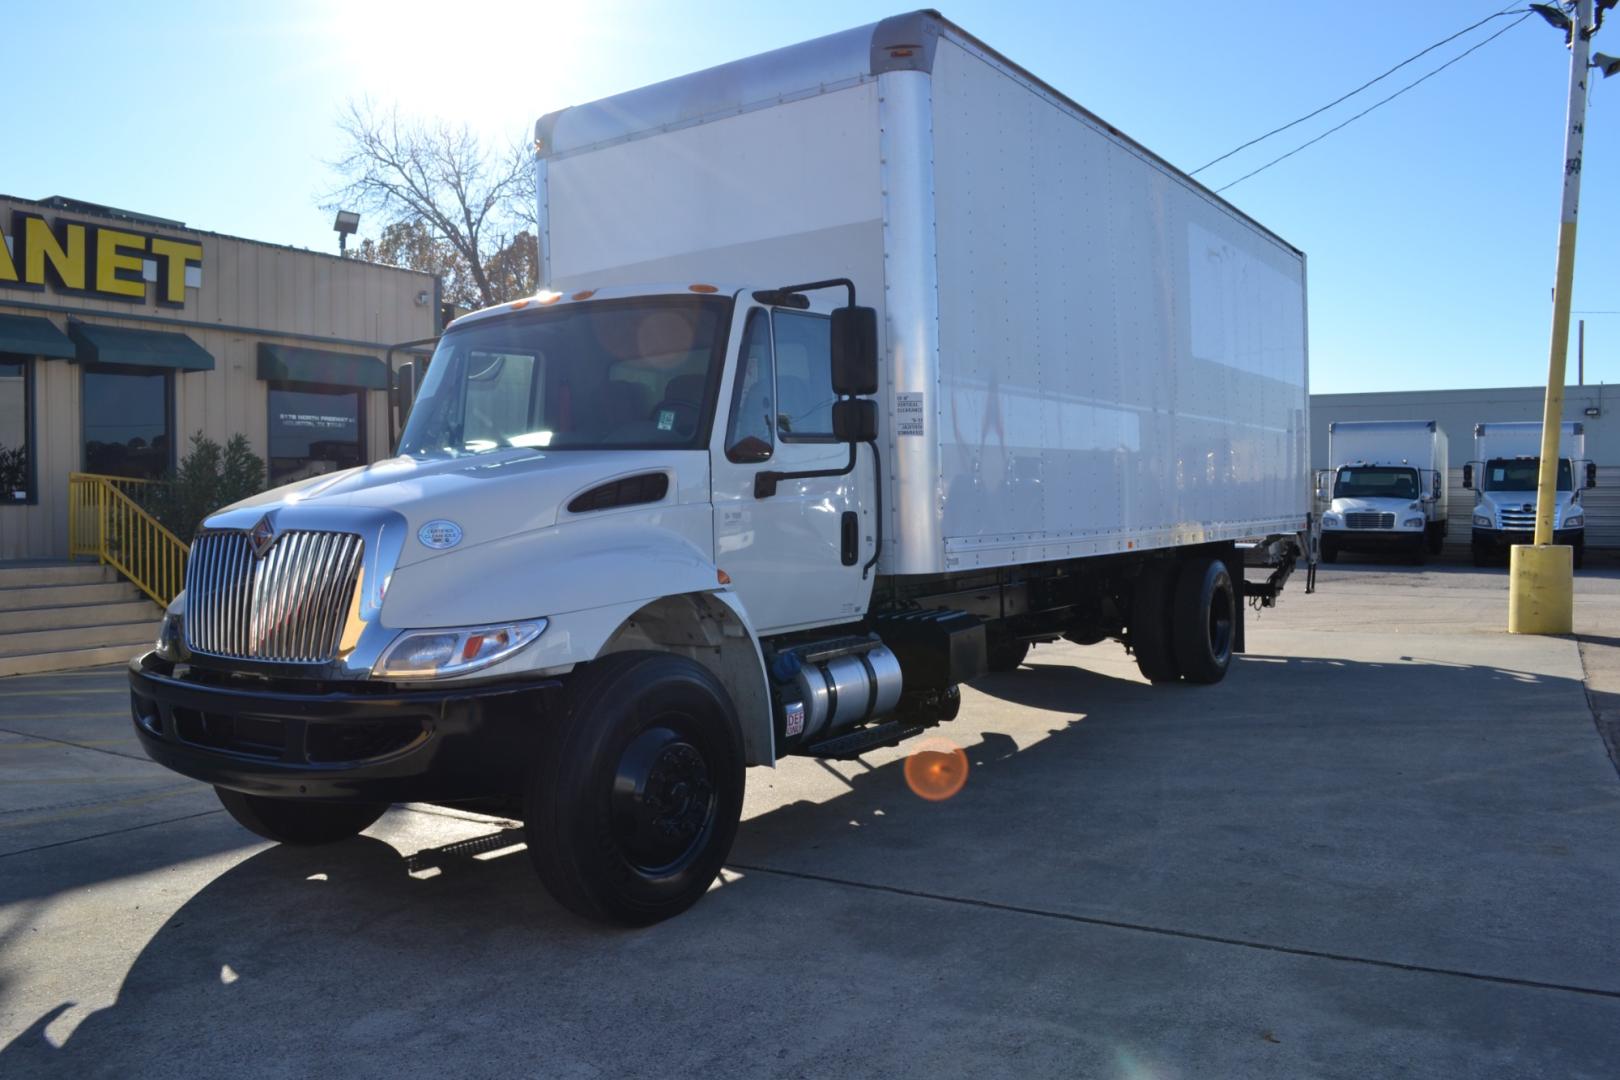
1412 523
170 639
1330 521
1483 522
1575 521
439 654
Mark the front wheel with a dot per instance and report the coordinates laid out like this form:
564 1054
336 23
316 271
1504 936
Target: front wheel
299 821
1329 550
632 808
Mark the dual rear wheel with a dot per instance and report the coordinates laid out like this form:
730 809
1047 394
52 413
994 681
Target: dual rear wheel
1184 620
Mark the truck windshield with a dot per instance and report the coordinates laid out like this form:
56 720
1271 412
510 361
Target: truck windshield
1521 474
1376 482
613 374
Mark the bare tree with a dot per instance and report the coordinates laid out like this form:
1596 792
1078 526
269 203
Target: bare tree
448 202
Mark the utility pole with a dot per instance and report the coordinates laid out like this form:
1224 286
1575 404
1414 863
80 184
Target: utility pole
1541 582
1580 353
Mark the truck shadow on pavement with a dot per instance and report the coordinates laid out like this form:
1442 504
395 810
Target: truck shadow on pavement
1292 806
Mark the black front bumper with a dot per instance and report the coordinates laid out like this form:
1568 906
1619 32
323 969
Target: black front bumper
347 742
1501 540
1374 539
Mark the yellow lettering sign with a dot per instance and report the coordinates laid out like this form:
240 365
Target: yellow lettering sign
176 255
113 254
8 267
41 245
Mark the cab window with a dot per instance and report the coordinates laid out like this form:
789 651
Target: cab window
803 376
749 437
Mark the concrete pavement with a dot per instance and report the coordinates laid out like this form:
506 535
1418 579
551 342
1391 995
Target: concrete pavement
1384 845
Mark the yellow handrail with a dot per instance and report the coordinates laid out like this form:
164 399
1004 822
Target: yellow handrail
105 522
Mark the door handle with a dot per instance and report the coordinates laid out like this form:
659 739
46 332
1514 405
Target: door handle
850 538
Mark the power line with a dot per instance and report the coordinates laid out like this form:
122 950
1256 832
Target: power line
1353 93
1384 101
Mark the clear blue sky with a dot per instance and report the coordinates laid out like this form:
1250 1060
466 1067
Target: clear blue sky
1430 224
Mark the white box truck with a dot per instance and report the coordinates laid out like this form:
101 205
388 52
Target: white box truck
1504 475
862 365
1387 488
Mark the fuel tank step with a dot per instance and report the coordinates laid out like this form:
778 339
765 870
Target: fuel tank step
862 740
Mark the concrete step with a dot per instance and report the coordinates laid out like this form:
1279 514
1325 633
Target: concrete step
18 575
32 663
24 642
19 598
61 618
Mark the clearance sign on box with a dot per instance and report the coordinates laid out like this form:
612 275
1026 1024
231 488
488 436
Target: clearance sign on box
104 261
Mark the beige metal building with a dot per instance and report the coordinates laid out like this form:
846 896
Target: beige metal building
121 336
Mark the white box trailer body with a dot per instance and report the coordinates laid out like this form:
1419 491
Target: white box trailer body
1083 351
1386 483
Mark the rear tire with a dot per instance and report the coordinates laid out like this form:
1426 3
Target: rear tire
634 803
1007 655
299 821
1150 624
1205 613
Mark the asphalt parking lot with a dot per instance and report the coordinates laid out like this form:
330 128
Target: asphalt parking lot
1387 844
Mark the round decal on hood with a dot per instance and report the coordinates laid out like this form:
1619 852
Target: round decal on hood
439 534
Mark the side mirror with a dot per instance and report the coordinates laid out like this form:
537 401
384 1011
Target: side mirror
854 351
405 390
1321 493
1439 484
1591 474
854 421
1468 476
749 450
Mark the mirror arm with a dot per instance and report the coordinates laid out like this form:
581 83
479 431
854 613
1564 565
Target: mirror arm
765 482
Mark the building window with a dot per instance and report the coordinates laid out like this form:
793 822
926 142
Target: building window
128 422
16 434
314 430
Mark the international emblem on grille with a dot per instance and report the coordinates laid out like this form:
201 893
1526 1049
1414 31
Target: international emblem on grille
262 535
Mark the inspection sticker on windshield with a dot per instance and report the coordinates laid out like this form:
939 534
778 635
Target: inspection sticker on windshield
666 419
439 534
908 413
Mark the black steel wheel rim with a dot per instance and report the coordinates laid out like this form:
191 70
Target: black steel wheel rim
663 802
1220 623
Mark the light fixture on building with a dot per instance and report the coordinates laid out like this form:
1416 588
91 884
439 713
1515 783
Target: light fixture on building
1593 410
347 223
423 297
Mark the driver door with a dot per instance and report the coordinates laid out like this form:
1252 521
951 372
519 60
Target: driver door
794 557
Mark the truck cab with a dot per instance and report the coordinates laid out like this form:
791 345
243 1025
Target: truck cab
1385 490
1504 477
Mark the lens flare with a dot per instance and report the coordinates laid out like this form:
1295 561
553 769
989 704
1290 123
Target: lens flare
937 771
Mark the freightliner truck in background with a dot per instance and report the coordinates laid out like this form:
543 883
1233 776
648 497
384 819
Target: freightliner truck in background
1504 474
861 366
1387 486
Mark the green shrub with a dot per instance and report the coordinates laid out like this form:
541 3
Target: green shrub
209 477
13 472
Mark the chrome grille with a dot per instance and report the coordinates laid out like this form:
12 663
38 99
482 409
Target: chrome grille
1368 520
1518 519
288 606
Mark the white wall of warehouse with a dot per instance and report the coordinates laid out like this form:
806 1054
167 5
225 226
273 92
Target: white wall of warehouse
1457 411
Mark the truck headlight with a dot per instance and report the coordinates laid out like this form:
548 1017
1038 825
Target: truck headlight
170 644
1331 521
1575 521
438 654
1412 523
1483 522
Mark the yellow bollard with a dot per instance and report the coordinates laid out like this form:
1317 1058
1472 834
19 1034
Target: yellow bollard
1541 589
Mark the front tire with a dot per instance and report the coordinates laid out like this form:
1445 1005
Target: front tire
634 803
1206 614
299 821
1329 550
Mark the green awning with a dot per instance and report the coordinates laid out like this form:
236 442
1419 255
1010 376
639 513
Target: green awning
32 335
284 363
138 348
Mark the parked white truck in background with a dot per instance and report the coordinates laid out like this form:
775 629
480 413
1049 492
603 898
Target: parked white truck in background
1504 475
1387 486
639 536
